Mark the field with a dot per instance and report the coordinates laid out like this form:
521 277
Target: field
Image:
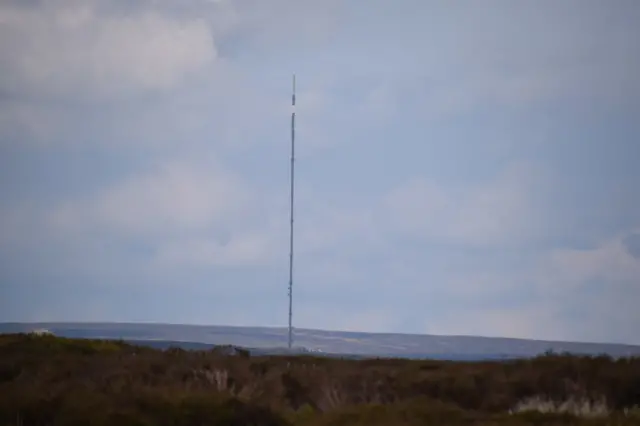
47 380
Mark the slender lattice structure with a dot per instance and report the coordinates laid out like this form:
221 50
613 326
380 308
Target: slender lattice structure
293 141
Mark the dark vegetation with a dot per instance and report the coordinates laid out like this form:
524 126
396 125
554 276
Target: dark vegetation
47 380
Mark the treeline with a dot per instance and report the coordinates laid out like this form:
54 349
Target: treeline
47 380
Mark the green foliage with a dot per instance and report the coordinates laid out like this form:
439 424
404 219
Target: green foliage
47 380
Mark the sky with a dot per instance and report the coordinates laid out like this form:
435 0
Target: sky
467 168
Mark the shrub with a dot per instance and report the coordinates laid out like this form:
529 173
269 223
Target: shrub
48 380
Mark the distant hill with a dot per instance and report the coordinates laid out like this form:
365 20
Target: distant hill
271 340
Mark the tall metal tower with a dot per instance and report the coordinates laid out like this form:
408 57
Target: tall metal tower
293 140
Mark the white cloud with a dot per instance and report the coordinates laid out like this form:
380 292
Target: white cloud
281 25
508 54
66 48
249 248
559 294
610 263
494 212
176 197
328 227
601 283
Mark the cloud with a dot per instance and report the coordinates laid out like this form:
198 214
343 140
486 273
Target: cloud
251 248
632 244
91 72
67 49
561 294
611 263
174 197
595 290
468 56
499 211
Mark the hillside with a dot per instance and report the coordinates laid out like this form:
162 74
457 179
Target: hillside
332 342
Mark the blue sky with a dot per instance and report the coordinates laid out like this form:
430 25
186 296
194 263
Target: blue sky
463 167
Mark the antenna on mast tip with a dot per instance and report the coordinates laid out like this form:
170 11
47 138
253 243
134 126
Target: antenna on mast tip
293 93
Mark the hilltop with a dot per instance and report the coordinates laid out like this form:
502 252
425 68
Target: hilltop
268 340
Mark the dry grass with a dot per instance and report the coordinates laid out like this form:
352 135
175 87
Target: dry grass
579 407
